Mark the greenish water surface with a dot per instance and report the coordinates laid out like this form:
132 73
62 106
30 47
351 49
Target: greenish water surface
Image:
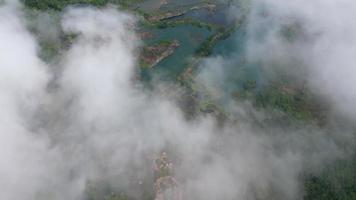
189 37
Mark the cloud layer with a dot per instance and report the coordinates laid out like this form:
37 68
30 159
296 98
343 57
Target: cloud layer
323 47
87 120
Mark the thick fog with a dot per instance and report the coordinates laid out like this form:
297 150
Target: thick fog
87 120
323 49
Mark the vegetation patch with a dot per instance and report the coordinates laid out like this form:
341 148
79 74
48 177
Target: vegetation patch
208 45
152 55
61 4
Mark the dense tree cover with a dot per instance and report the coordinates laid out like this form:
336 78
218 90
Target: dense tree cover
295 105
337 182
60 4
293 102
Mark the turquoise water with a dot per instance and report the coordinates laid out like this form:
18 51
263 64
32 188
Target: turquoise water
237 70
232 49
154 5
189 37
221 16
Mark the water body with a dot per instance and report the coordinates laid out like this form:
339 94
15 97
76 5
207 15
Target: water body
221 16
154 5
189 37
237 70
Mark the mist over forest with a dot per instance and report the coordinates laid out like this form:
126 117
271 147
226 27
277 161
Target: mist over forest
177 100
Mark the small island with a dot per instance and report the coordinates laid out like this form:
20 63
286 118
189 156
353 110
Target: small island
152 55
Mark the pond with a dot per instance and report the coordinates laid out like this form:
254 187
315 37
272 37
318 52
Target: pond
189 37
222 16
237 70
